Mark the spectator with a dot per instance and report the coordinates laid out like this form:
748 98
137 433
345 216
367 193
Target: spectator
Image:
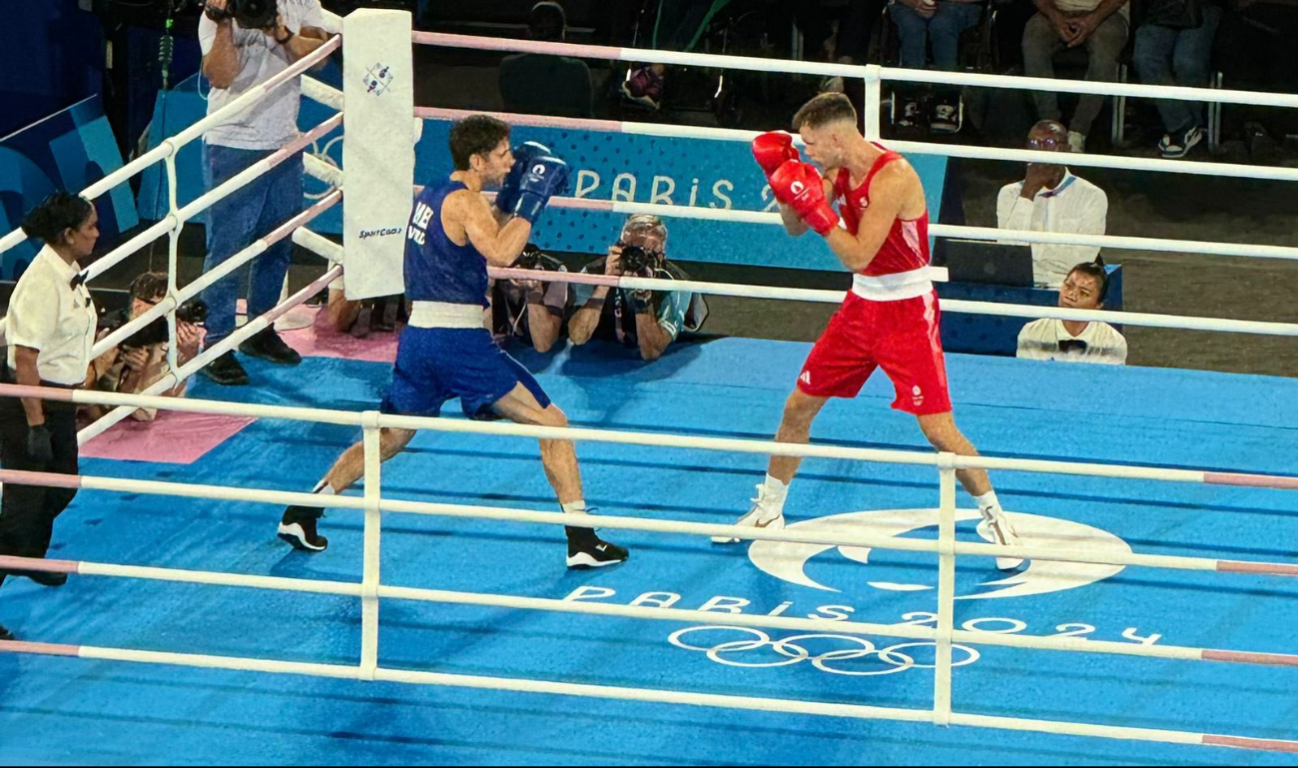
140 361
835 30
649 320
1076 341
942 22
1258 54
1174 47
678 27
49 331
237 60
1101 26
1052 199
531 311
542 84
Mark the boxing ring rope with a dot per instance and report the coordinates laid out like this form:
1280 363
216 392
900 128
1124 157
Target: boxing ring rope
173 223
671 131
170 147
1178 322
371 591
940 230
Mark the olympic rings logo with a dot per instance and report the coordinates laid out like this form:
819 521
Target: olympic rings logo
748 652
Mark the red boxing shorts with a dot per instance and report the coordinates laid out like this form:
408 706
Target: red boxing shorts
902 337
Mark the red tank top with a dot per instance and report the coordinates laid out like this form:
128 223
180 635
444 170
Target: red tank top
906 247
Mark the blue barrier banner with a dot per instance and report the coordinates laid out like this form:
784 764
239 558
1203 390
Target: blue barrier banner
68 150
605 166
667 171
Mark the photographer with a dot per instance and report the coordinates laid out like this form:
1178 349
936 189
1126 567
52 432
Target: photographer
360 317
530 311
141 360
649 320
245 43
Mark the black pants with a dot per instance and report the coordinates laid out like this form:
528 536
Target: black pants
27 512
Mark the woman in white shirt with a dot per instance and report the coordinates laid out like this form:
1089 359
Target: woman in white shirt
50 332
1076 341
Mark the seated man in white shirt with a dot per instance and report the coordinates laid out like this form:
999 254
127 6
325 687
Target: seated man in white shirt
1051 199
1075 341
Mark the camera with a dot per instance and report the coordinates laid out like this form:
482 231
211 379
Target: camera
193 312
637 261
249 14
531 258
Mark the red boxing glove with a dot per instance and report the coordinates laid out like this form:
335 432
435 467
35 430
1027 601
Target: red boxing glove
800 185
771 150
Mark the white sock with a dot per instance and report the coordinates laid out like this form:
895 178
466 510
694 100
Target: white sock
324 489
577 507
774 493
989 505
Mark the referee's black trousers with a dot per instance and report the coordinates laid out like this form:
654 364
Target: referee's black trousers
27 512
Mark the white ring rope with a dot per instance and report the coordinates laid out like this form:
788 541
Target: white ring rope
667 130
171 146
370 590
870 73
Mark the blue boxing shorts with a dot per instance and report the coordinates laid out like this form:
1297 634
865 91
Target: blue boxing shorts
438 364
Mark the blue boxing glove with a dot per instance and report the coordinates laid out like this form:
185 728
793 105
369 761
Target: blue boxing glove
507 197
546 176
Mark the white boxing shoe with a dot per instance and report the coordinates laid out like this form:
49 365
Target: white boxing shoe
996 528
760 516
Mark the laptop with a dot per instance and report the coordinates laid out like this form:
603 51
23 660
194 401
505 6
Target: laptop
980 261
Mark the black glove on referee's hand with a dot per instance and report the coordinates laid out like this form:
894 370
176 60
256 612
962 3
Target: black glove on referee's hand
39 444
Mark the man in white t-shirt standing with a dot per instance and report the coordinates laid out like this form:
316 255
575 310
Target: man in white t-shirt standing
1075 341
236 59
1051 199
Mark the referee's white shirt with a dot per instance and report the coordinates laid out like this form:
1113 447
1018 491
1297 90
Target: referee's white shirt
50 314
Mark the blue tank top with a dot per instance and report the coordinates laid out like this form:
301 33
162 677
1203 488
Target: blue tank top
436 268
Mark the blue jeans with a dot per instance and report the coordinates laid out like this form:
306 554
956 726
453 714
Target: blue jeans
944 29
1166 56
235 222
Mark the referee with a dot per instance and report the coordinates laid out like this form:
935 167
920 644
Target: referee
51 330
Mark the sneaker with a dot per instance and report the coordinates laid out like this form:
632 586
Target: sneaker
44 578
270 347
5 635
644 87
586 550
1178 145
758 517
226 371
998 530
946 118
298 528
910 114
363 323
1262 148
1077 142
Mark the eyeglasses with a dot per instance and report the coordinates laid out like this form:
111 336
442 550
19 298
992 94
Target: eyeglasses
1047 144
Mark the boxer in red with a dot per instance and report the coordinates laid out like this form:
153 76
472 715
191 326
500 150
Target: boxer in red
889 320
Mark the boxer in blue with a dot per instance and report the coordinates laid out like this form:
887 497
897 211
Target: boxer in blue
446 351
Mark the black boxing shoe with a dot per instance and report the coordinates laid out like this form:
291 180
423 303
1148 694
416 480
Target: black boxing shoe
5 634
298 528
586 550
